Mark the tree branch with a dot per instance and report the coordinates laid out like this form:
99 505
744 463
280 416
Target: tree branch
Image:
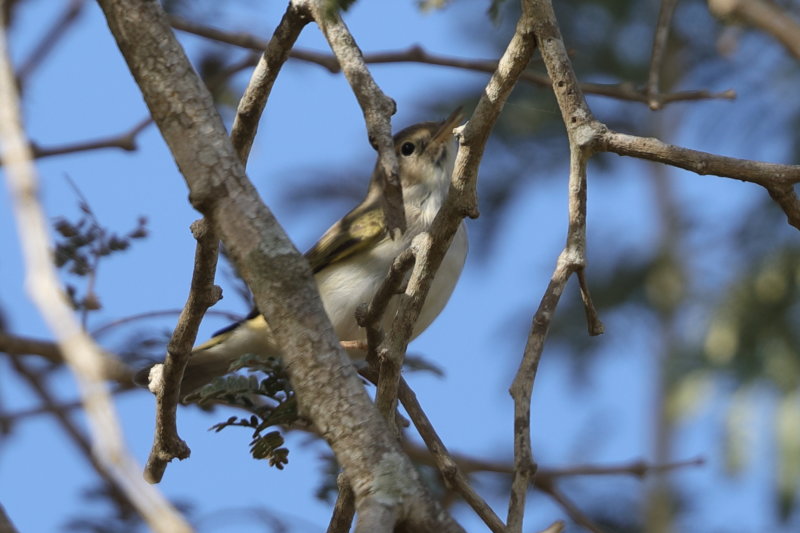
660 37
80 353
370 319
124 141
417 54
329 391
167 445
779 180
113 368
252 103
344 509
447 465
375 105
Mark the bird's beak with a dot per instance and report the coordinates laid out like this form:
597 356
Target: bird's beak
445 131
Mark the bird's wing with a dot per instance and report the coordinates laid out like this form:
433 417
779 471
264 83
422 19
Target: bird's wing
359 229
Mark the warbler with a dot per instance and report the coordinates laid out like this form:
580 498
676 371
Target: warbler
352 258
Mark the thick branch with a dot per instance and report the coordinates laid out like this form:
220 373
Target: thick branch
328 390
764 174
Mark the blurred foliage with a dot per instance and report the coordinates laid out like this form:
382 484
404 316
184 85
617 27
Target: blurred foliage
80 246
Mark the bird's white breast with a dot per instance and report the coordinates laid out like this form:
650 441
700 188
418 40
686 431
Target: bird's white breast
346 285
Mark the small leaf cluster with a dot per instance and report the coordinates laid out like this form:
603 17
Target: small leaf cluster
269 398
81 244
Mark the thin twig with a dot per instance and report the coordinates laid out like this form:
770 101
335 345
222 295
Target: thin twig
572 510
377 108
124 141
345 508
582 139
447 465
760 173
50 39
370 318
80 353
417 54
8 419
167 445
252 103
660 38
638 469
203 293
779 180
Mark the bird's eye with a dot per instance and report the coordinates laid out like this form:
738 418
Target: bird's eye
407 148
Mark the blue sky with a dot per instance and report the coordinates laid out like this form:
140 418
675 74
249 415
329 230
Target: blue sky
313 122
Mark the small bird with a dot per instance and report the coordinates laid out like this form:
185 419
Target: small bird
352 258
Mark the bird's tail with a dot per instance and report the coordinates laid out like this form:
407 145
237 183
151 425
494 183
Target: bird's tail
214 357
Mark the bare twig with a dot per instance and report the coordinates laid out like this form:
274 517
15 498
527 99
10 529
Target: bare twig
167 445
764 174
49 40
82 356
417 54
375 105
370 319
269 65
638 469
767 16
447 465
777 179
660 37
6 525
124 141
579 122
344 509
574 512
